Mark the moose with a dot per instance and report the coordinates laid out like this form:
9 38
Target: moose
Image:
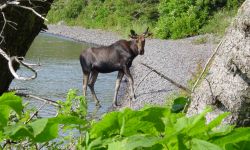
115 57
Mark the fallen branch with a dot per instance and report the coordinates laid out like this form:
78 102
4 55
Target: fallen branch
35 113
48 101
167 78
142 80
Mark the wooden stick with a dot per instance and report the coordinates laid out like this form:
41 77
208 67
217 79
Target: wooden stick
206 66
167 78
48 101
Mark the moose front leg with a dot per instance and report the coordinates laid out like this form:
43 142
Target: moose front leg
117 86
131 83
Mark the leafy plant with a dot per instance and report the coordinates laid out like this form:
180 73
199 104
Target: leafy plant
31 130
148 128
158 128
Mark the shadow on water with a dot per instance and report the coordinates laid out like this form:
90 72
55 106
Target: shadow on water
61 71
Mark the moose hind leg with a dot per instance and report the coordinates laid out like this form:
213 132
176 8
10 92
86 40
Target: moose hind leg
91 85
117 86
85 82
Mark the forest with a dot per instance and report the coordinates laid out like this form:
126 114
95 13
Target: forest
168 18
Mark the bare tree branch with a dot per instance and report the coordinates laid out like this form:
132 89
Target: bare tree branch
20 61
31 9
17 59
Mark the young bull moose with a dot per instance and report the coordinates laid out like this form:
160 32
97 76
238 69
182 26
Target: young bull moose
115 57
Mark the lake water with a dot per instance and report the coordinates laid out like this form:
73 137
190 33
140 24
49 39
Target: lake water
60 71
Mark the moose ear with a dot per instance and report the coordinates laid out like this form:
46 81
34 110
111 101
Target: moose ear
146 32
133 35
132 32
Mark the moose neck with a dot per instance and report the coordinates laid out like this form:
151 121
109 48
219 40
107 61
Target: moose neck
134 48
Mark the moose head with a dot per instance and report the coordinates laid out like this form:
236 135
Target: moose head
140 39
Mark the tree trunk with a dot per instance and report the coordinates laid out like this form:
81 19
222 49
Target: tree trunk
17 41
227 85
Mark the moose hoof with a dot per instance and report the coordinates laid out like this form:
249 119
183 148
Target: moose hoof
98 105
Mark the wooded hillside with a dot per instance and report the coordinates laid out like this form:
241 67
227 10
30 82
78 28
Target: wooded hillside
167 18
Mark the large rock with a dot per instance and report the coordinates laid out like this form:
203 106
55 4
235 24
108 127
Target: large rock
227 85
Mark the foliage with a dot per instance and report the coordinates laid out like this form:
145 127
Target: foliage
184 18
167 18
148 128
158 128
219 22
19 128
107 14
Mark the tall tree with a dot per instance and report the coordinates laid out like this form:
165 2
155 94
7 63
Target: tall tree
227 85
20 24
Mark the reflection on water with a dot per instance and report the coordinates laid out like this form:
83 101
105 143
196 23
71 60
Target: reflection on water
61 71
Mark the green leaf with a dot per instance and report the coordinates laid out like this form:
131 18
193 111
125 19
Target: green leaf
48 133
125 123
18 131
217 121
4 113
8 102
131 122
200 117
108 126
155 115
221 131
13 101
68 120
38 126
135 141
236 136
99 143
244 145
179 104
198 144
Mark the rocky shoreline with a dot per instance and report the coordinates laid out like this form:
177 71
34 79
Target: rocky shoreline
176 59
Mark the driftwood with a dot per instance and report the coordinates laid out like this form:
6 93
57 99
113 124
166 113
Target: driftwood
167 78
45 100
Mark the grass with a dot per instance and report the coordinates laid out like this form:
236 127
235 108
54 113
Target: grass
200 40
219 22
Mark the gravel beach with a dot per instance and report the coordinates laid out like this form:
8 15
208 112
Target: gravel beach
176 59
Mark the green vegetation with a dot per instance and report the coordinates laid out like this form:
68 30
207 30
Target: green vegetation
166 18
219 22
200 40
148 128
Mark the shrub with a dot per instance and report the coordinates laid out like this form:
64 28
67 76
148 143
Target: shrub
184 18
148 128
168 18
